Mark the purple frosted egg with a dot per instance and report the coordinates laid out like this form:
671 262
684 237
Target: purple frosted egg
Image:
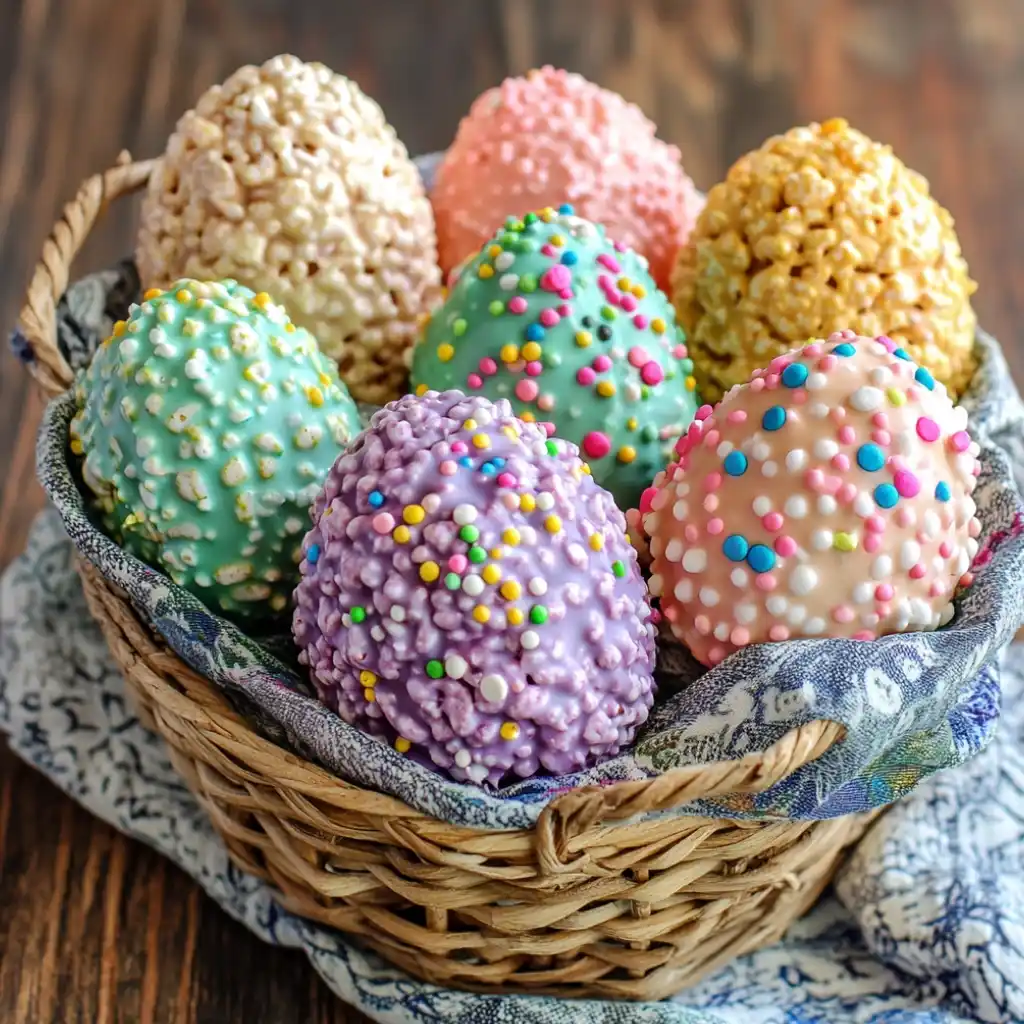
468 594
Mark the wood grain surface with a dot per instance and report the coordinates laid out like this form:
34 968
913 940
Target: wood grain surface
96 928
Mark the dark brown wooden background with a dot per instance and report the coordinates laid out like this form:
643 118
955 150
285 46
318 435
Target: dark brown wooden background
96 928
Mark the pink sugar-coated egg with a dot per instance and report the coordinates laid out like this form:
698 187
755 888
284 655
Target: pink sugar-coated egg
866 526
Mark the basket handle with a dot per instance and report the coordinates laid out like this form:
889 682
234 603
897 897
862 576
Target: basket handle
37 321
571 814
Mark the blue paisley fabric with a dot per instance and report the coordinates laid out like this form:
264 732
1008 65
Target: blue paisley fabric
926 924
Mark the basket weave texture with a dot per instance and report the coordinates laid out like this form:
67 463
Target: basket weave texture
588 902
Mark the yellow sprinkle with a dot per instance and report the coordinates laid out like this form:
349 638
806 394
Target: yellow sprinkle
638 291
491 574
834 125
527 417
401 535
469 424
691 383
586 469
486 271
119 328
289 328
183 295
151 293
429 571
531 351
497 553
605 388
658 325
261 300
896 396
509 730
445 351
509 353
413 514
511 433
515 616
315 396
623 283
557 241
76 446
845 542
510 590
402 744
553 524
510 535
421 389
325 379
481 441
367 678
527 502
547 214
596 542
631 423
584 338
482 614
627 453
368 695
494 251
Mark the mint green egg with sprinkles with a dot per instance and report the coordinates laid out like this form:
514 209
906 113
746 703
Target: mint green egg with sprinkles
572 330
206 424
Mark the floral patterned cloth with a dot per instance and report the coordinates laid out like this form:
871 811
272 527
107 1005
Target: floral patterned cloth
928 927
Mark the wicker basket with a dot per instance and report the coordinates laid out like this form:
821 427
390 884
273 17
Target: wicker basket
587 903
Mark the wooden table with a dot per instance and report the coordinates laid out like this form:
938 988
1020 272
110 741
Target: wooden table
97 928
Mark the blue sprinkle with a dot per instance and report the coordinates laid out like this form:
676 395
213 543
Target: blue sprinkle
313 554
735 547
498 461
466 461
794 375
774 418
886 495
845 349
901 353
870 458
566 208
21 348
569 258
924 378
534 332
488 469
942 491
376 499
735 464
761 558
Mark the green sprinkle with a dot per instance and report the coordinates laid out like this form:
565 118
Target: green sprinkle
358 613
552 359
619 569
607 313
453 581
538 615
459 327
648 434
686 365
469 533
435 669
477 554
496 308
508 240
510 221
528 283
552 447
530 218
645 392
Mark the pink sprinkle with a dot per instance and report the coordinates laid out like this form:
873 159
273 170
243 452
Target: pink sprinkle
713 481
945 549
646 499
565 309
876 524
841 461
679 351
778 633
737 416
506 480
905 517
711 439
546 403
711 503
756 384
555 278
458 563
703 412
716 654
863 634
880 420
847 435
884 339
691 533
597 445
847 493
785 546
619 246
534 369
882 610
605 283
702 624
526 390
779 363
488 366
640 322
844 613
927 429
907 485
814 480
548 317
460 447
638 356
813 350
772 522
652 374
740 636
766 581
517 305
609 261
715 526
772 381
549 429
565 293
881 437
884 592
832 484
827 362
960 441
798 397
383 522
936 589
838 414
967 579
628 303
602 363
917 571
547 249
448 468
474 380
872 543
683 445
585 376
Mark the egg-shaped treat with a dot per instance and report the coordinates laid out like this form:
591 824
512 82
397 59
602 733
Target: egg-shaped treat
819 230
469 595
550 137
207 423
288 178
570 328
828 497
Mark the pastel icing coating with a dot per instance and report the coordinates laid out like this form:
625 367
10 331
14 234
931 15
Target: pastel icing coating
549 136
828 496
570 328
208 422
469 595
